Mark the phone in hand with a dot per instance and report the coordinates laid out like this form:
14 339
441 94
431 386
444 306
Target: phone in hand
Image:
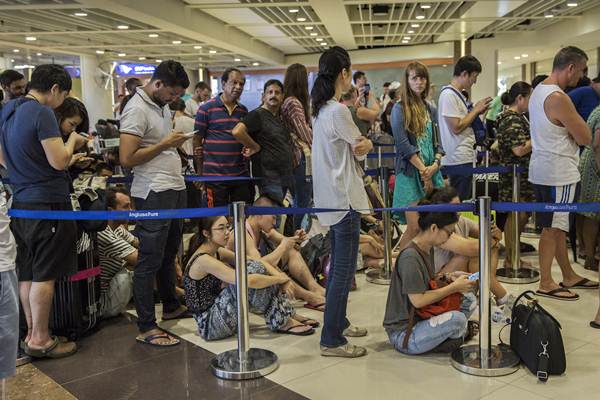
190 135
85 135
367 89
473 276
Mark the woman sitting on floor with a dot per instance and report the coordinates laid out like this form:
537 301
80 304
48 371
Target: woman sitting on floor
210 290
410 292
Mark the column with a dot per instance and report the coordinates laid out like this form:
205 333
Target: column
532 71
487 82
97 99
5 62
524 72
193 77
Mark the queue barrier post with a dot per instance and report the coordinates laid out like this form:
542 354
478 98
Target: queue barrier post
485 359
516 274
487 164
244 362
383 276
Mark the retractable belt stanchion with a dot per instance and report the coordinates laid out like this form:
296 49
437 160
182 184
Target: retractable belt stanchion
383 276
516 274
243 362
485 359
487 164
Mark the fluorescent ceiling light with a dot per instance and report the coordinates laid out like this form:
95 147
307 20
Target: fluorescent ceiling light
300 19
16 50
309 28
141 58
499 63
158 61
212 51
237 59
517 57
80 14
12 60
99 51
153 35
405 41
323 43
420 15
572 4
122 54
425 6
406 38
313 34
38 54
524 55
319 39
176 42
415 25
410 31
255 64
123 27
30 38
549 14
197 47
293 10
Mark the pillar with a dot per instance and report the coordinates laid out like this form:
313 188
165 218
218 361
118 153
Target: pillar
5 62
532 71
524 72
97 99
487 82
192 74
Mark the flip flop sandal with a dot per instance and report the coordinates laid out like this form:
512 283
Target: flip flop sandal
552 294
316 307
50 351
289 331
594 325
582 284
149 340
306 321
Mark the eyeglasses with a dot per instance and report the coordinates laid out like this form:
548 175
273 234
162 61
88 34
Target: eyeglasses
222 228
448 231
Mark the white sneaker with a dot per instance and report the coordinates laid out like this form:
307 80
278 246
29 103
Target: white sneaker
348 351
355 331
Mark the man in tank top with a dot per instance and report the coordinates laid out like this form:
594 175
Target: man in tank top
557 131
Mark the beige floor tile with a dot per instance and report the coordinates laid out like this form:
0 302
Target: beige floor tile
30 383
513 393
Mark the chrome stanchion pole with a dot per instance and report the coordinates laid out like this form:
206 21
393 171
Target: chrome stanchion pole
243 362
516 274
383 276
485 359
487 164
473 177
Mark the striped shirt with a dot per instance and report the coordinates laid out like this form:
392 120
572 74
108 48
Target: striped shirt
113 246
292 113
222 153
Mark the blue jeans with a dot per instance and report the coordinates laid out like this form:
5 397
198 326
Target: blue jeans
159 242
344 252
9 323
429 333
275 187
302 191
461 181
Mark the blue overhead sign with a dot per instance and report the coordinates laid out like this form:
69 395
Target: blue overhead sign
135 69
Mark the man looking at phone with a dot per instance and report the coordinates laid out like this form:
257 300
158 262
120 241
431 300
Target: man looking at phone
149 146
268 142
366 98
454 119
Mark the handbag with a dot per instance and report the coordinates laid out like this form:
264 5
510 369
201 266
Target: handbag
448 303
535 337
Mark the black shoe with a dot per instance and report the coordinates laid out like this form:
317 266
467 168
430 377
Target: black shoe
527 248
448 346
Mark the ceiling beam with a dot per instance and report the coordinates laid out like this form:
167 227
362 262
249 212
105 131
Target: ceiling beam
220 6
40 48
90 32
175 17
35 7
133 46
335 18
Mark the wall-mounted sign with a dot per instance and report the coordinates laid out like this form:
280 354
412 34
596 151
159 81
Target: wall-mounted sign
74 71
135 69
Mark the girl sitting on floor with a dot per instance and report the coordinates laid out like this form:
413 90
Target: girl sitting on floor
210 290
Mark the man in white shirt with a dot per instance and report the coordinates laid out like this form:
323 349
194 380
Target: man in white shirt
557 131
201 94
455 119
149 146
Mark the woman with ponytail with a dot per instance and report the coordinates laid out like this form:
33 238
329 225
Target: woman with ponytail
337 183
418 148
514 148
210 292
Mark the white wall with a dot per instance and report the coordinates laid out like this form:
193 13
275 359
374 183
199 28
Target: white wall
96 98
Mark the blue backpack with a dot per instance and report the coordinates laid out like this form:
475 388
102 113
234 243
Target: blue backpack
477 124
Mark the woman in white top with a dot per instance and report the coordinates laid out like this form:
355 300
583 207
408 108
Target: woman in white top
337 183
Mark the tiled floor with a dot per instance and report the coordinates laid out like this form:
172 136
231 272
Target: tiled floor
110 365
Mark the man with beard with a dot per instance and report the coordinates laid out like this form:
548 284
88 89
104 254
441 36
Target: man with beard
13 84
149 146
268 142
216 151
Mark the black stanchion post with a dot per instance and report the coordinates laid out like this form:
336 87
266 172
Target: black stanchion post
516 274
243 362
383 275
485 359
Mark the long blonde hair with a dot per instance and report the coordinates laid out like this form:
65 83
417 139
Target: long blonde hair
415 107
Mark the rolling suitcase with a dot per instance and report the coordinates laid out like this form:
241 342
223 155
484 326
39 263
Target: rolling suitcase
76 305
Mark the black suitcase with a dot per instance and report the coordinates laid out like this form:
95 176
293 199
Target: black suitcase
76 306
535 337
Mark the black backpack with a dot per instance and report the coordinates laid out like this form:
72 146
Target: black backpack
535 337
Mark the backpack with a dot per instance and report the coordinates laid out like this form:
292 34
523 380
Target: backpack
535 337
89 194
478 126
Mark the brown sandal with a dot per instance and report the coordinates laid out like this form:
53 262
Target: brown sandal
57 349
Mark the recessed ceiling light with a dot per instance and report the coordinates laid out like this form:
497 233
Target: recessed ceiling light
319 39
122 26
517 57
38 54
80 14
309 28
524 55
293 10
323 43
313 34
197 47
141 58
300 19
405 41
99 51
153 35
29 57
425 6
499 63
419 15
16 50
549 14
237 59
212 51
572 4
30 38
121 54
255 64
176 42
12 60
445 65
158 61
406 37
415 25
410 31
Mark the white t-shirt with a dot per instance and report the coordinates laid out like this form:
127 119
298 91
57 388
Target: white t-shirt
463 228
144 118
8 249
458 148
191 107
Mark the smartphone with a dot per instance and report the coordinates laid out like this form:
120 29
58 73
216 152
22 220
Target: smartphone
85 135
190 134
367 89
473 277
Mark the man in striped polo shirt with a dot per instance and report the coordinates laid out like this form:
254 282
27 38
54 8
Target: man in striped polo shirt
216 152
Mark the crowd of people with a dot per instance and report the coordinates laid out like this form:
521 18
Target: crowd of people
308 149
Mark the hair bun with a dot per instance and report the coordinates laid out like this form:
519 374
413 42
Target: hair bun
506 99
